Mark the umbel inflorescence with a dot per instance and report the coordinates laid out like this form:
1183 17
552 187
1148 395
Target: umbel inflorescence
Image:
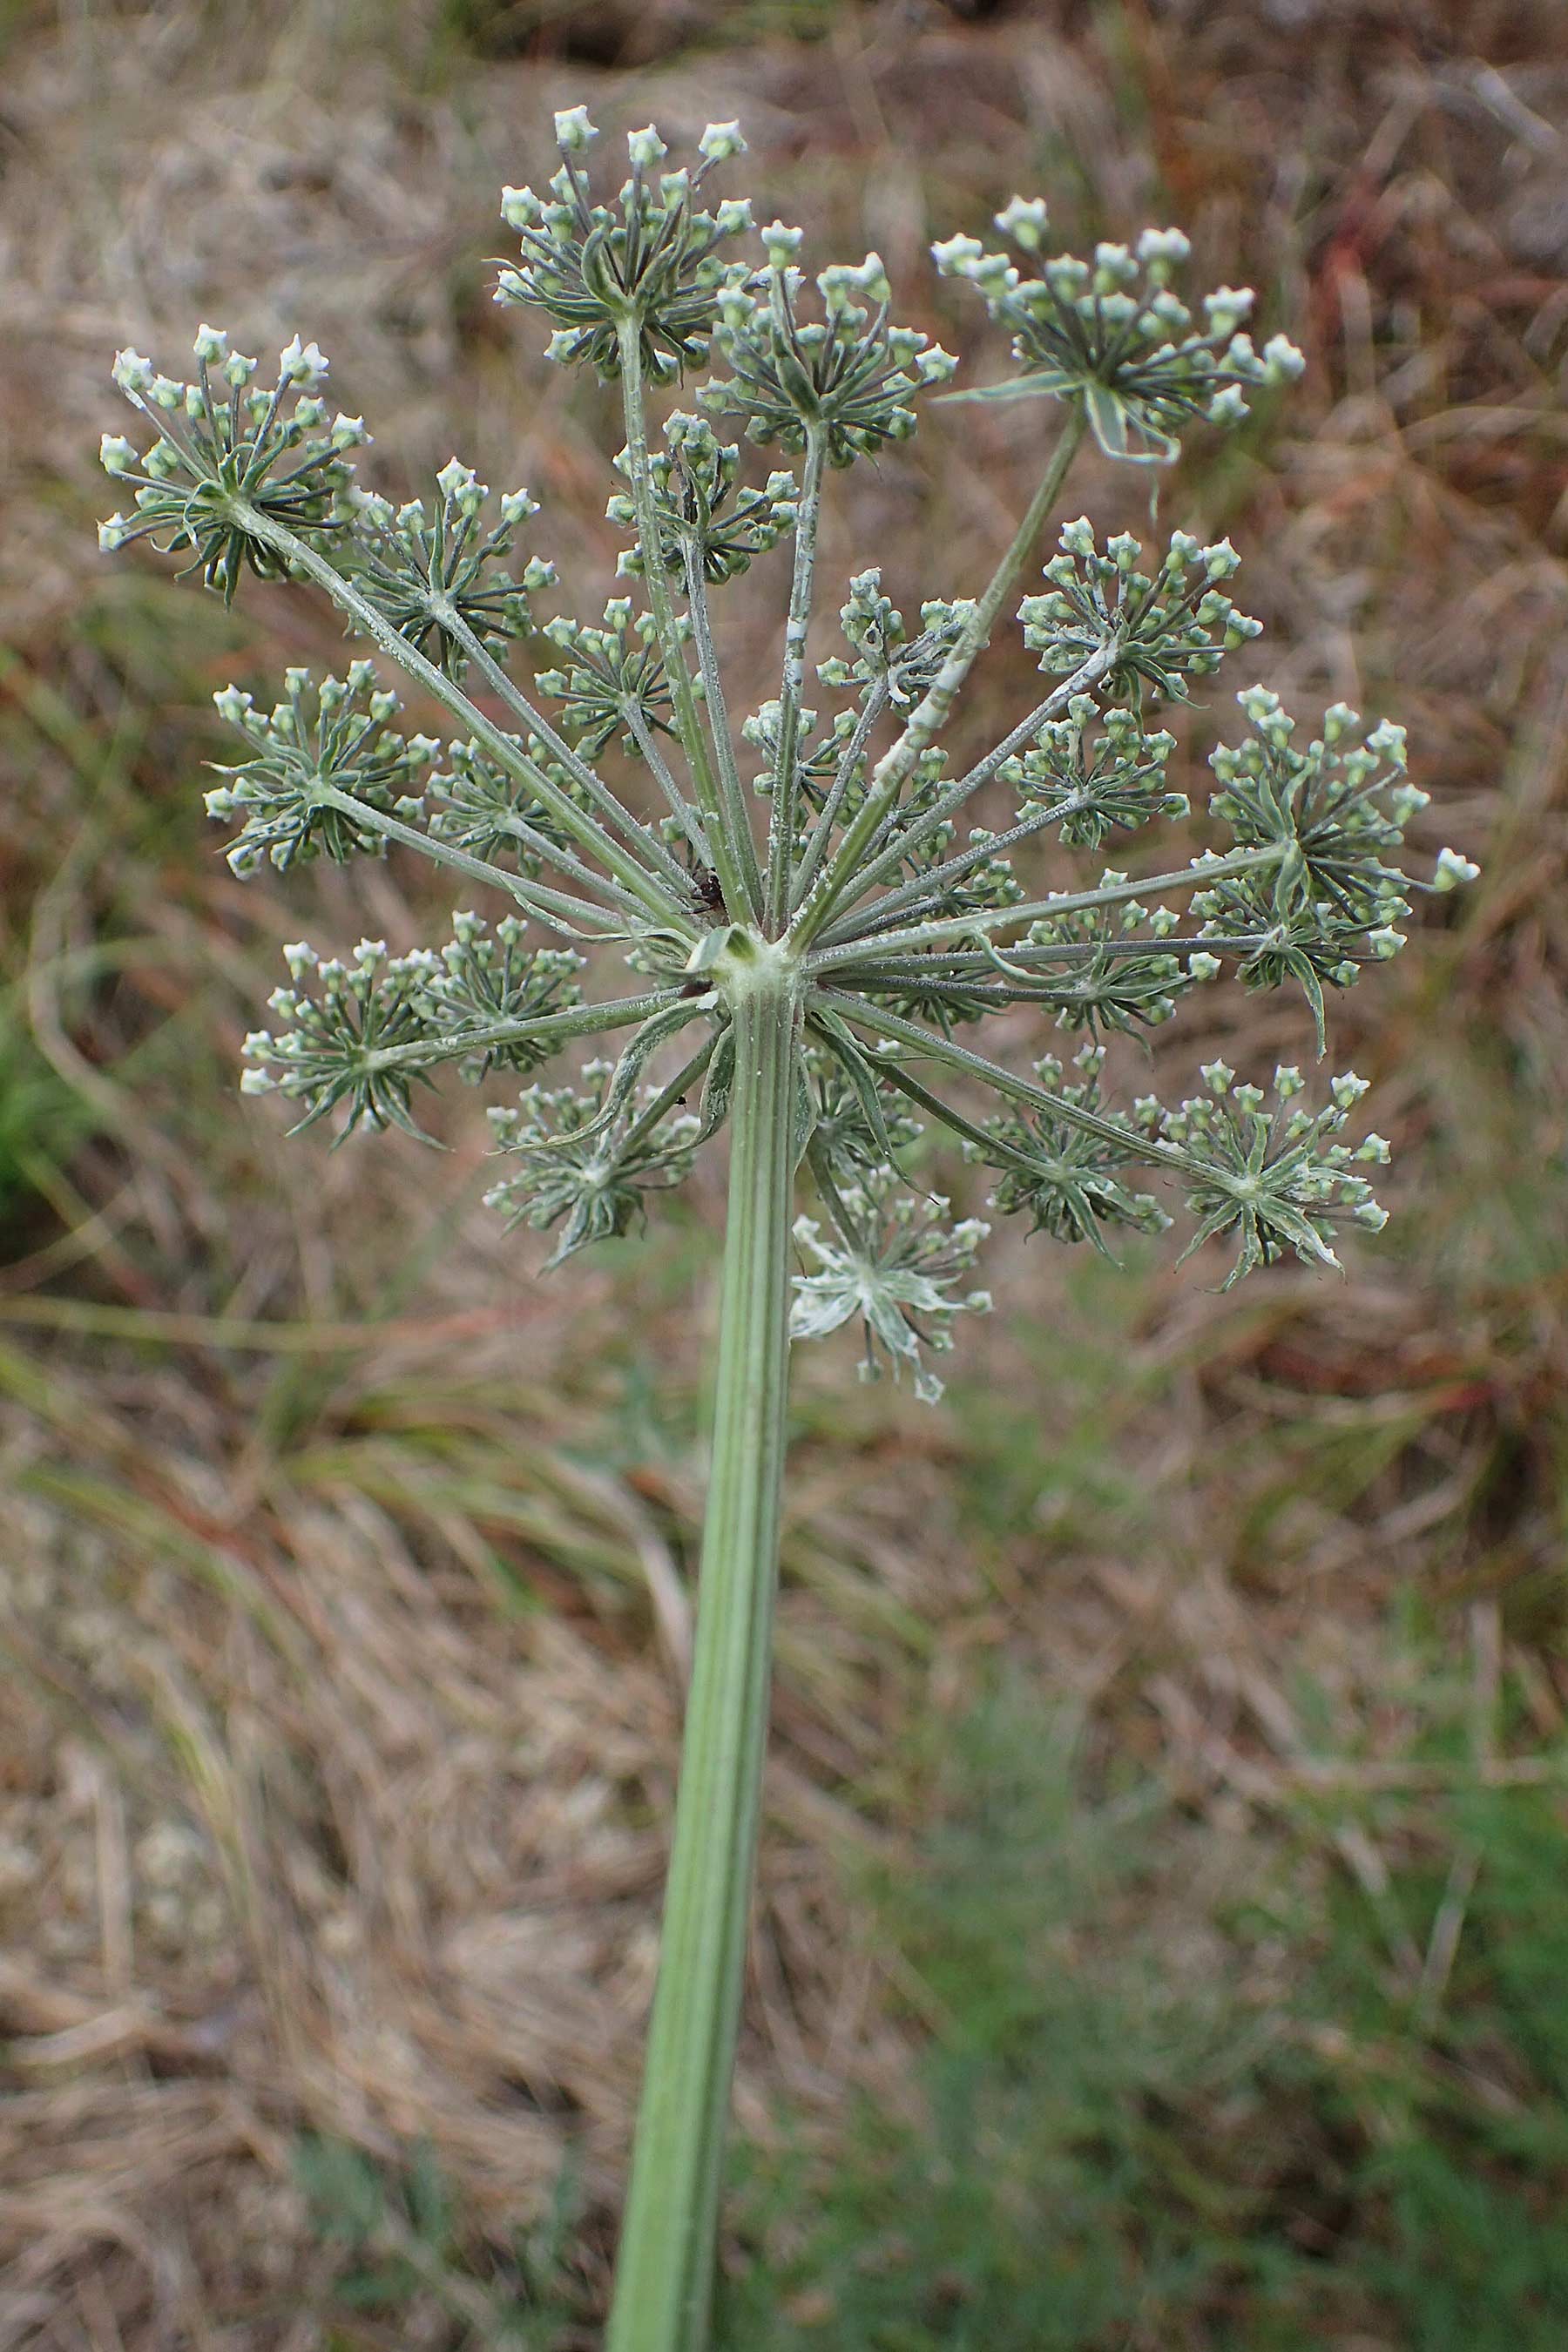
822 848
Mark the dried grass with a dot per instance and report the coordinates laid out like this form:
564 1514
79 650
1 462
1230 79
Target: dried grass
345 1588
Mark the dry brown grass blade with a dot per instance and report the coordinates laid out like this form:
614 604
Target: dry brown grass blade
342 1687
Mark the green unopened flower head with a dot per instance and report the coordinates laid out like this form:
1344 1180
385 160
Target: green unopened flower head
1266 1171
588 1175
435 571
1156 630
818 757
652 258
1112 336
848 375
614 677
885 656
336 737
707 516
893 1265
361 1035
1070 1180
488 810
1095 771
227 449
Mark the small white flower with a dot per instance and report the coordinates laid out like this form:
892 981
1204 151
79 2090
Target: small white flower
1023 220
574 130
1452 869
719 142
520 207
646 148
301 363
133 372
1226 307
956 256
783 244
1282 362
455 478
1164 245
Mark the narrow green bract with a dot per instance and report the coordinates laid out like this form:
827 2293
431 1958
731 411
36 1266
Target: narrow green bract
814 928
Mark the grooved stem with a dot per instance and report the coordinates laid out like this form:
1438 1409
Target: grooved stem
894 769
665 2272
741 895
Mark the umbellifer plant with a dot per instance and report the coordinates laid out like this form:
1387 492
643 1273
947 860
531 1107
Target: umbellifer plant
813 946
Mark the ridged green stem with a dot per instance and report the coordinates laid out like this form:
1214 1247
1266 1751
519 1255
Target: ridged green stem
729 835
310 564
894 768
664 2275
781 822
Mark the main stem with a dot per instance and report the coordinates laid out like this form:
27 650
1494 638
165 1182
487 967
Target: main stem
664 2274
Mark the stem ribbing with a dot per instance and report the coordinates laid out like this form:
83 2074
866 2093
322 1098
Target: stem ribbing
665 2273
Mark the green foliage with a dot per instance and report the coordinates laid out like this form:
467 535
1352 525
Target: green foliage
403 2251
42 1120
1123 2148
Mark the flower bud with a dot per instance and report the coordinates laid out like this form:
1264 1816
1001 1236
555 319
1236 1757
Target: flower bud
646 148
574 131
719 142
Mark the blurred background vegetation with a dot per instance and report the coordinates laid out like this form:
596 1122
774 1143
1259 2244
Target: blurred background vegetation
1163 1929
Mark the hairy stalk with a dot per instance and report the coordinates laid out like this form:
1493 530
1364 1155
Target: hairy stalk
664 2276
718 710
909 837
782 823
303 559
884 1023
893 771
961 970
924 893
579 1020
837 951
675 1091
828 816
680 808
648 844
555 909
729 844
